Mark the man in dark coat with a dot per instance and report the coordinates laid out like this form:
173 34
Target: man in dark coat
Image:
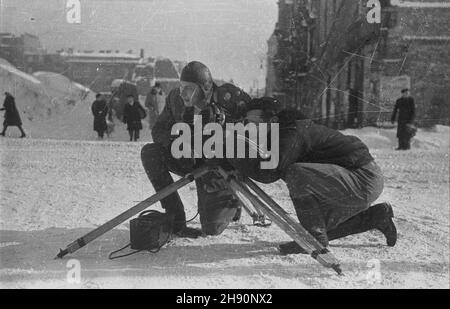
133 113
100 111
406 110
332 178
12 117
151 103
217 206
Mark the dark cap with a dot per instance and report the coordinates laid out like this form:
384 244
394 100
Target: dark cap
405 90
197 73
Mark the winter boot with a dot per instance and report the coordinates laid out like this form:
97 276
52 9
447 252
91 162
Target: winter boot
377 217
179 228
174 208
312 220
188 232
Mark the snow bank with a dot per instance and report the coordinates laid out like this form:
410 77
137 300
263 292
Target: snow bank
30 97
62 90
19 74
43 95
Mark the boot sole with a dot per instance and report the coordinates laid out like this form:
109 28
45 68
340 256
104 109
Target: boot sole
391 215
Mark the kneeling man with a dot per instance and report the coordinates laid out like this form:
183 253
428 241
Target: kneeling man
332 178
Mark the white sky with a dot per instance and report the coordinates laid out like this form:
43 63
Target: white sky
228 35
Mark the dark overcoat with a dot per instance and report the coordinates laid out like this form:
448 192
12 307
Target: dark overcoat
132 116
406 111
100 111
12 117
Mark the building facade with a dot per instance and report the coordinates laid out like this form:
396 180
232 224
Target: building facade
327 60
98 70
416 53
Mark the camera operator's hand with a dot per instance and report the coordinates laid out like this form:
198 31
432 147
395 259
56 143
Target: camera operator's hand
213 114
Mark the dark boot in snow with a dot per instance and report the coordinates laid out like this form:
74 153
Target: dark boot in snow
188 232
377 217
312 220
179 224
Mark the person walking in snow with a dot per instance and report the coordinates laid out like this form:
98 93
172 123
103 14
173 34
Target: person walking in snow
12 117
331 177
100 111
406 110
133 113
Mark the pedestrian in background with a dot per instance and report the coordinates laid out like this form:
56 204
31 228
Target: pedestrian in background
406 110
133 113
100 111
12 117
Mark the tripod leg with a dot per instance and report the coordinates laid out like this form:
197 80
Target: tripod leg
259 219
321 254
81 242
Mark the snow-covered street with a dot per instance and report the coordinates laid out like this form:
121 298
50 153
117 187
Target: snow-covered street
54 191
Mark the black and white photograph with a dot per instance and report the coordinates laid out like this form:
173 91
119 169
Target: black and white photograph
245 145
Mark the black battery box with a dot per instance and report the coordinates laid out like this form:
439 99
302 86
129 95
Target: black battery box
150 231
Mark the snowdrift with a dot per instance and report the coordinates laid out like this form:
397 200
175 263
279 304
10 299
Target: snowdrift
30 97
43 95
62 89
4 62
